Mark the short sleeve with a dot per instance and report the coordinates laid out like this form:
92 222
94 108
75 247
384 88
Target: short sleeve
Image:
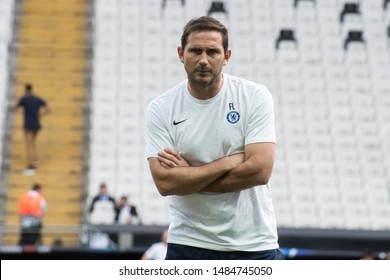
261 124
157 134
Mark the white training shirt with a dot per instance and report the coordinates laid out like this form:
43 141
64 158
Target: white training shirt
157 251
203 131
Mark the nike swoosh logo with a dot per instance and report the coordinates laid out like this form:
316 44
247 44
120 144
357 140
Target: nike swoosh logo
176 123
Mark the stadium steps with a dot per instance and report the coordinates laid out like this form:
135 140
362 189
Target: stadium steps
52 56
46 63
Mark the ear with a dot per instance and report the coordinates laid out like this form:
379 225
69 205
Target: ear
180 53
228 54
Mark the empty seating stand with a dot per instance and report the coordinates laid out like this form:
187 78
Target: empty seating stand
326 63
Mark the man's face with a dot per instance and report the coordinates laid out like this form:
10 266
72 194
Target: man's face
204 57
103 191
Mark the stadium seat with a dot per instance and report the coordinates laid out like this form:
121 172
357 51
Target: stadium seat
283 214
349 9
217 7
279 189
353 37
164 2
264 52
357 217
380 217
285 36
305 215
331 216
283 12
219 11
300 3
377 191
325 191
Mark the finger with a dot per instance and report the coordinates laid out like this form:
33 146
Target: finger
167 162
167 156
171 152
174 157
179 157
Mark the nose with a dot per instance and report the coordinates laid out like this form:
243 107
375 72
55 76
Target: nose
203 59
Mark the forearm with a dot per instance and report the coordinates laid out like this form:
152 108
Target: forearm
240 178
45 111
255 171
184 180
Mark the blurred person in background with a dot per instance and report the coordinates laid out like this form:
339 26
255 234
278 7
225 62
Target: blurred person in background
32 207
126 213
32 105
158 250
103 209
103 195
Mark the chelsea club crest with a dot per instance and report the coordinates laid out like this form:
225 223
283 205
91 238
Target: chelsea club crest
233 117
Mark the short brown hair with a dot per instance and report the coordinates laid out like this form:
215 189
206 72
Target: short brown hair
205 23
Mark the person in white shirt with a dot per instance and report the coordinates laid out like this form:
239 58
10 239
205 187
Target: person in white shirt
210 147
158 250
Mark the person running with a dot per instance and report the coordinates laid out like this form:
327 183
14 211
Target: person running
32 105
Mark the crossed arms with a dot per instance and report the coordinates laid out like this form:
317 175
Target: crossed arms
173 175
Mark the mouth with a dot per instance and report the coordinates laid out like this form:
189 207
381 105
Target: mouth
202 72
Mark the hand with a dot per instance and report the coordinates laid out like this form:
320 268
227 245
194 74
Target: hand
169 159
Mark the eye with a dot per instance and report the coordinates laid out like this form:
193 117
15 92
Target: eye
196 51
213 52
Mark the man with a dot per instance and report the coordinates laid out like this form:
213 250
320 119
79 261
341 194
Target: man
32 207
210 147
102 196
31 104
103 209
126 213
158 250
